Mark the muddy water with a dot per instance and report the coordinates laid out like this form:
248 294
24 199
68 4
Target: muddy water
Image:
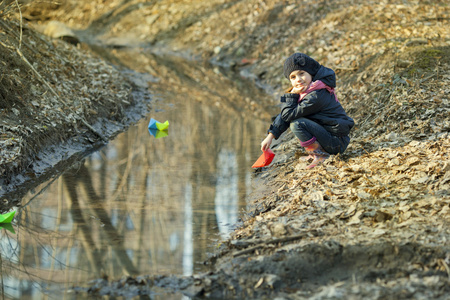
143 204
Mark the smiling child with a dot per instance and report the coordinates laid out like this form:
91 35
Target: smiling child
312 111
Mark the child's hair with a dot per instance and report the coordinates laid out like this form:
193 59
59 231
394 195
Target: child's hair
288 90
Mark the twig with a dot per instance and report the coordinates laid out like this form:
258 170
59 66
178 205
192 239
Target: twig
346 69
248 250
37 73
426 78
92 129
446 267
6 46
11 31
21 27
262 243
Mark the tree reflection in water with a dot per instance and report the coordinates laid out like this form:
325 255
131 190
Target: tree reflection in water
143 205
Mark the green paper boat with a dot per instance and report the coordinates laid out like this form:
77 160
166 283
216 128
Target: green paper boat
7 218
8 226
162 126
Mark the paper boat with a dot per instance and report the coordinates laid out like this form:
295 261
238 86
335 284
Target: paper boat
8 226
265 159
158 133
7 218
157 125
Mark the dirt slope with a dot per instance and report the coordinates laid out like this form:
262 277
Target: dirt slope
371 224
57 101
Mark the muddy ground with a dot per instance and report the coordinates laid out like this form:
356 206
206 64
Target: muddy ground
370 224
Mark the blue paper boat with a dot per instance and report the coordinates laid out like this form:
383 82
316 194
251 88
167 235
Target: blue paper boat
158 125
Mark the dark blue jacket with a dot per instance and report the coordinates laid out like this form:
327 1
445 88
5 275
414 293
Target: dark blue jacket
319 106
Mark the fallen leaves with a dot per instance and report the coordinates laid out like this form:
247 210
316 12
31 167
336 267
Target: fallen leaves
394 193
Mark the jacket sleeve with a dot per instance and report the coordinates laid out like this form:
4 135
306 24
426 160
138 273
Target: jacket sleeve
311 104
278 126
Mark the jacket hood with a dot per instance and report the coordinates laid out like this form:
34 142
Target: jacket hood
326 75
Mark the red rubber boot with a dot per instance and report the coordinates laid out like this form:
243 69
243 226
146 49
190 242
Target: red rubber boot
318 153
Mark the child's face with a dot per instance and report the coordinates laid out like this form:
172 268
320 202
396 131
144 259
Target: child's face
300 81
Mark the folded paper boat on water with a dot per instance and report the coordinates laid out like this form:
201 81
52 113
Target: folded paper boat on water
265 159
158 125
7 226
7 218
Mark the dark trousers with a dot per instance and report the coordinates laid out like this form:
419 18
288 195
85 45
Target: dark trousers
307 130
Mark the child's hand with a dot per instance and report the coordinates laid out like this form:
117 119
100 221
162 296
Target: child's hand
265 144
295 91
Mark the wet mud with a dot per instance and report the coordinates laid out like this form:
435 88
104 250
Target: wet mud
314 271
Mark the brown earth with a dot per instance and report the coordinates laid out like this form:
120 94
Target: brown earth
370 224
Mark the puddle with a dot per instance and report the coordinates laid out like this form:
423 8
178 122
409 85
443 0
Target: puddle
143 205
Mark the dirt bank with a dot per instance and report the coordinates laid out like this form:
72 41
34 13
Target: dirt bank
373 223
58 101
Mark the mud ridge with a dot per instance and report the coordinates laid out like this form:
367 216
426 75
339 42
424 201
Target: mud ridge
312 271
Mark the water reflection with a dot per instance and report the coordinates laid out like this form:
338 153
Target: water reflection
227 198
142 205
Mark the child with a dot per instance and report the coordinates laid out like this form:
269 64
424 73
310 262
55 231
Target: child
312 111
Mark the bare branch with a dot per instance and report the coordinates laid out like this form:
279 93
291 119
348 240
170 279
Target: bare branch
21 24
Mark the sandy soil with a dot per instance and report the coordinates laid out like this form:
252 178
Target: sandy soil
370 224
